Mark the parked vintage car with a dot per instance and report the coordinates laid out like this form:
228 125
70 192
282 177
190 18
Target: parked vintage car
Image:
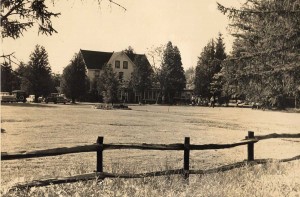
40 99
55 98
67 99
7 98
20 95
30 98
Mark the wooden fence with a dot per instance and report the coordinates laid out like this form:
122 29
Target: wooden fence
99 147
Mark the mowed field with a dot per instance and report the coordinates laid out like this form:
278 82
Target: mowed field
40 126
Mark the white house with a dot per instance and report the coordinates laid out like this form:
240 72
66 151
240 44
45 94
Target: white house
122 64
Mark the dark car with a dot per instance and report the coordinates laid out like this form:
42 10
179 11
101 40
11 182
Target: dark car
55 98
20 95
61 99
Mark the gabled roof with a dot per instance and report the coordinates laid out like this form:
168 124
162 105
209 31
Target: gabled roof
133 56
95 59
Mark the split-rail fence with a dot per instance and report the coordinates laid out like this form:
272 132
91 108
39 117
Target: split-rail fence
99 147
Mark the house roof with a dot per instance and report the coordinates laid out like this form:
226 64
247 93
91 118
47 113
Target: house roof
95 59
132 57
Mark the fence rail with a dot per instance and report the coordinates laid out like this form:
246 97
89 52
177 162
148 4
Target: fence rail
103 175
276 135
99 147
96 146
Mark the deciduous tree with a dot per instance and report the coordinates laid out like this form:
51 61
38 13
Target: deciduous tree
142 75
108 85
156 56
190 78
22 72
8 78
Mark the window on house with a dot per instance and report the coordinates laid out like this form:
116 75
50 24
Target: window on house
125 64
121 76
117 64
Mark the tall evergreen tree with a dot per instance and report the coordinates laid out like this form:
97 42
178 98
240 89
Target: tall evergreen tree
173 72
220 55
266 51
74 79
205 71
38 75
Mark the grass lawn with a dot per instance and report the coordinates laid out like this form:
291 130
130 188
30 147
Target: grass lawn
40 126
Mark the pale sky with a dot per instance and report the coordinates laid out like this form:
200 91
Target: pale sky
188 24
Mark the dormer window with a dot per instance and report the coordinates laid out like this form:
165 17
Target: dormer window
125 65
117 64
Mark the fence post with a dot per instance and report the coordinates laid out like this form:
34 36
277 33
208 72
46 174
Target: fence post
250 146
99 165
186 158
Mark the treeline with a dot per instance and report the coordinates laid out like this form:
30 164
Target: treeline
208 67
36 77
168 78
264 64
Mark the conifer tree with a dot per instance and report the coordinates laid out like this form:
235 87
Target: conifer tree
38 75
172 72
205 70
18 16
74 79
220 55
266 50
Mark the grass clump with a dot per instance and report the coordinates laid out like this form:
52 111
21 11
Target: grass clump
272 179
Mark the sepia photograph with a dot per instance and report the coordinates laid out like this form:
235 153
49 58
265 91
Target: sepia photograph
150 98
